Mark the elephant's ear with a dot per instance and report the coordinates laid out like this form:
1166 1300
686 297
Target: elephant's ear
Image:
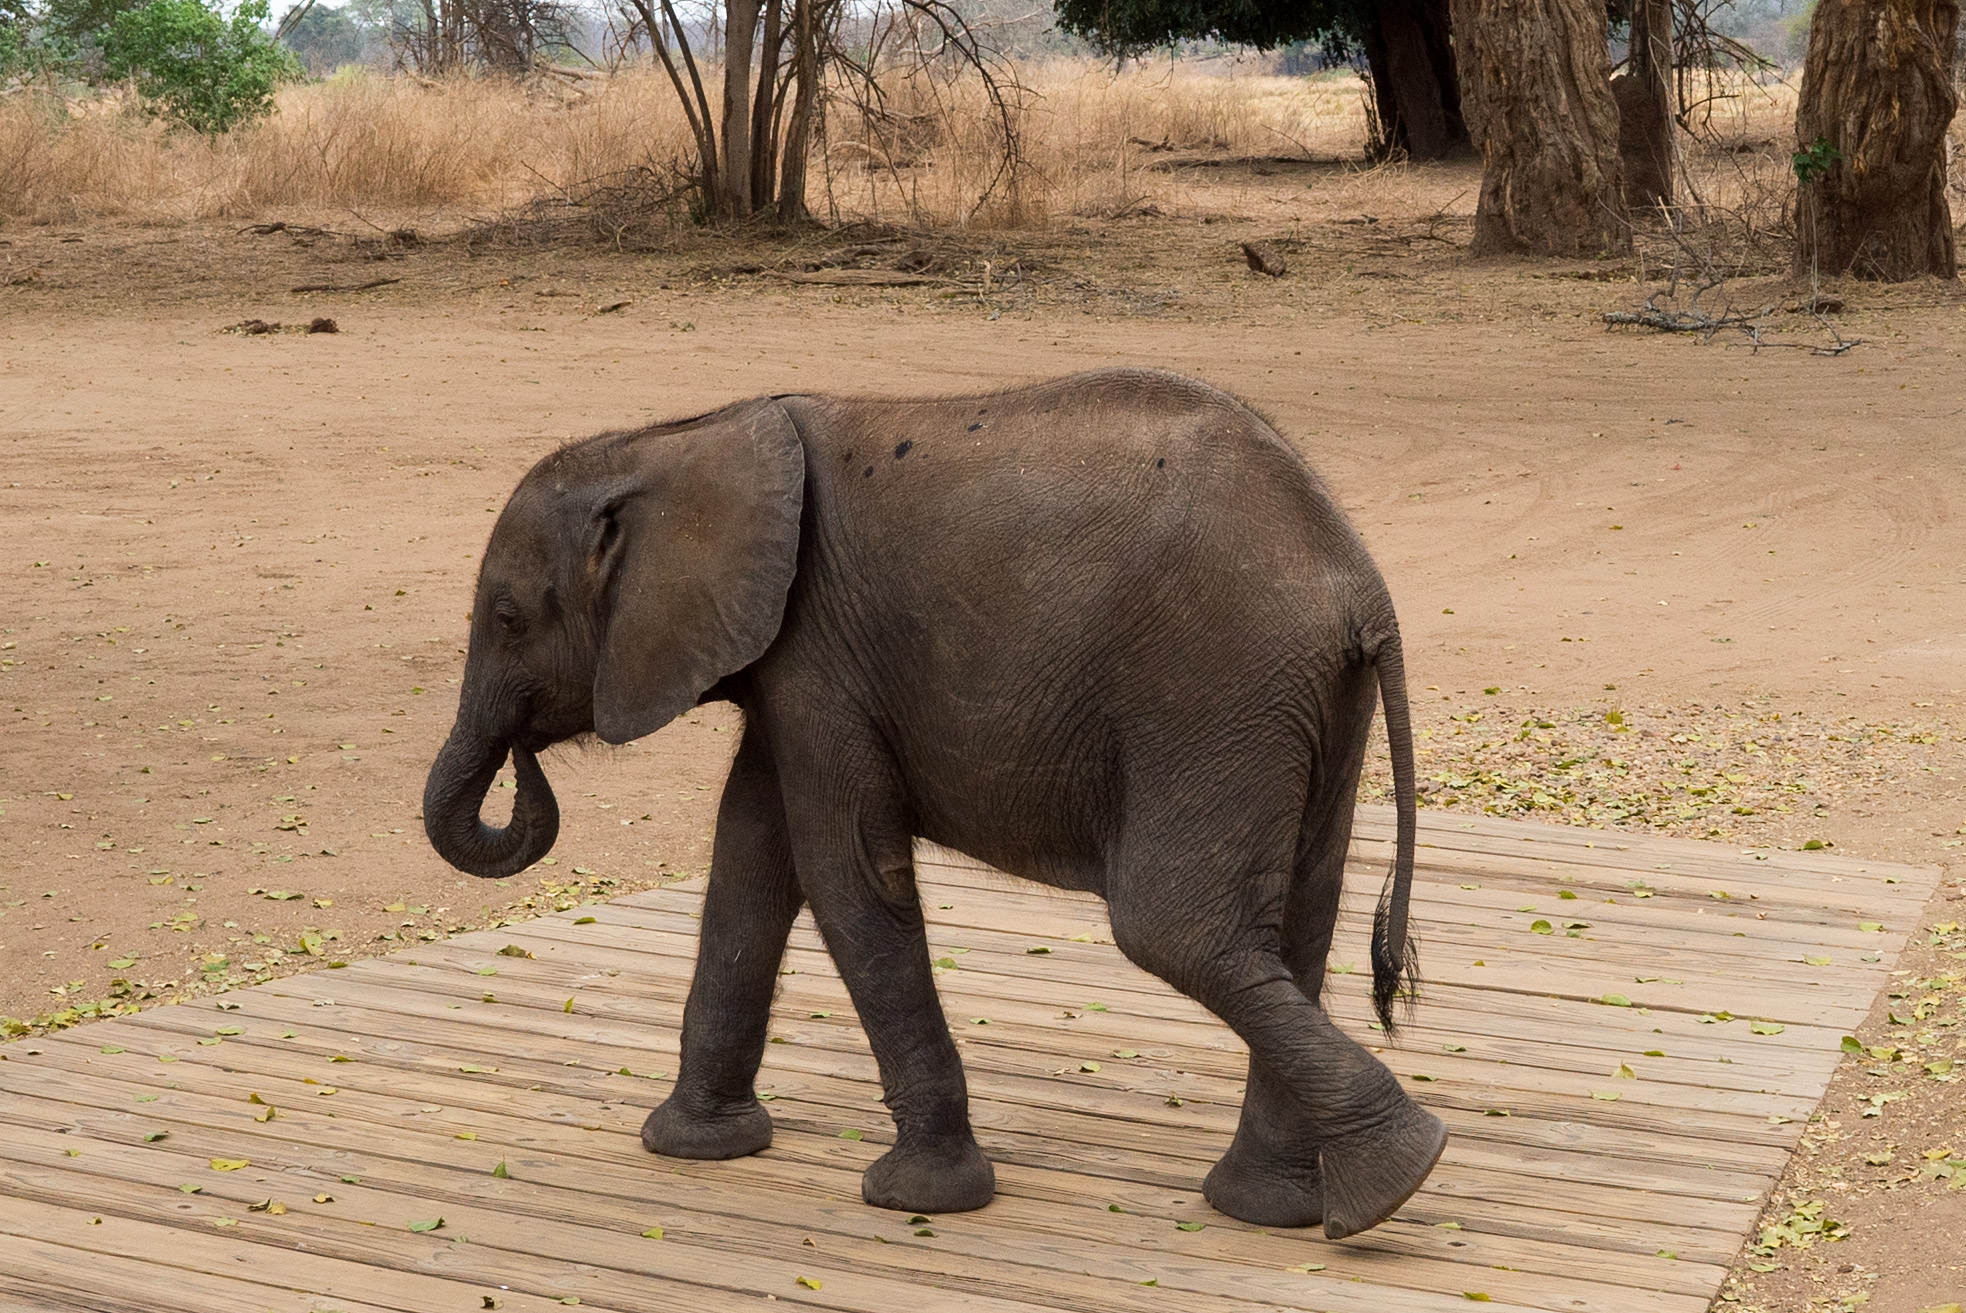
695 556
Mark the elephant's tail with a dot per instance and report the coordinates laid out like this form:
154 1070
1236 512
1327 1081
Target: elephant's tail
1395 965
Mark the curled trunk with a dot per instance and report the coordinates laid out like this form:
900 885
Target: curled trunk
459 779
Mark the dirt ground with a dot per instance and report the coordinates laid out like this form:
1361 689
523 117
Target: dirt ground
1646 581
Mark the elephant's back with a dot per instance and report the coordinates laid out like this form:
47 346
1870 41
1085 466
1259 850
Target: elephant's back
1117 475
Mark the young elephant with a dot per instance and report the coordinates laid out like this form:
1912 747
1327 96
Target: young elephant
1108 633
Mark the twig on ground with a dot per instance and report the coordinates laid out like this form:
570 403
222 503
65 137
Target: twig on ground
336 287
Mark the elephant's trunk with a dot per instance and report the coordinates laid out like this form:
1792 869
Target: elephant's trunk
459 779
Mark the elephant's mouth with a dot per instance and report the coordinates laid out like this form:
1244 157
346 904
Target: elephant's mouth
455 792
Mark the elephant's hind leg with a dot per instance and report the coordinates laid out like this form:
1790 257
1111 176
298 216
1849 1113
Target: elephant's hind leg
1316 1093
1271 1176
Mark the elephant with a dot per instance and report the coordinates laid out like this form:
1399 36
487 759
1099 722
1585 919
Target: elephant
1109 633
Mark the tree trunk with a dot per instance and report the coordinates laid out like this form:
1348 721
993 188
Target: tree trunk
1877 90
798 132
1414 88
1535 86
763 147
740 36
1644 95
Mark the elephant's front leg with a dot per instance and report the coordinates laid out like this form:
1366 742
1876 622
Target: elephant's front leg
856 865
748 912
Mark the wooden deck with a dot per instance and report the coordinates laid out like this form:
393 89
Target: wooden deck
1604 1157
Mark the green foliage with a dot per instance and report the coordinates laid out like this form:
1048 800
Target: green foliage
324 39
194 68
1131 26
1814 160
83 21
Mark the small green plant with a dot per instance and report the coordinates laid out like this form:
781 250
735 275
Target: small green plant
1814 160
196 69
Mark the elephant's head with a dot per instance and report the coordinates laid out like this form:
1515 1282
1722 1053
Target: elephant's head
627 575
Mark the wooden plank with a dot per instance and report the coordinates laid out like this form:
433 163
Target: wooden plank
1557 1207
1715 925
59 1279
1072 974
1018 1133
1720 1115
1549 1283
1681 865
565 1217
107 1257
1013 1023
444 1044
1495 834
594 1262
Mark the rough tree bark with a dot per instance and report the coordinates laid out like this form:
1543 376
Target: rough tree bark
1535 86
1414 88
740 35
1644 96
764 122
792 162
1877 88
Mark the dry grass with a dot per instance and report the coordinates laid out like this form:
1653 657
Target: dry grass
393 147
353 142
1093 143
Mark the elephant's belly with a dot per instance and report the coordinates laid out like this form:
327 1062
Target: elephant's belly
1050 821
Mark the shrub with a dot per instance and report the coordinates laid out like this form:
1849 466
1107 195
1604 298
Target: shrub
195 69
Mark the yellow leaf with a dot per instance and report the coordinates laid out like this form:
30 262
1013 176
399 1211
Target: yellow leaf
230 1164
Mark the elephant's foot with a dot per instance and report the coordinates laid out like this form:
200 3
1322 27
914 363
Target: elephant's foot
683 1128
1265 1188
945 1176
1368 1174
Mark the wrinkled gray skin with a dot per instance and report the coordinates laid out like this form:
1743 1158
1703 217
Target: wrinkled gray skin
1108 633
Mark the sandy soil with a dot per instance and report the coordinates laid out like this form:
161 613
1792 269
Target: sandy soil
1644 580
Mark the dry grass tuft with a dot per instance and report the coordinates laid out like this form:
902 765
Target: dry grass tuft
356 141
396 147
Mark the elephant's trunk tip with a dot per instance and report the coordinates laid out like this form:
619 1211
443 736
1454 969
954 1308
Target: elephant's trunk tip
459 780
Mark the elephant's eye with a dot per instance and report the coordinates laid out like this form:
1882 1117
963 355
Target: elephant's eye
508 616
